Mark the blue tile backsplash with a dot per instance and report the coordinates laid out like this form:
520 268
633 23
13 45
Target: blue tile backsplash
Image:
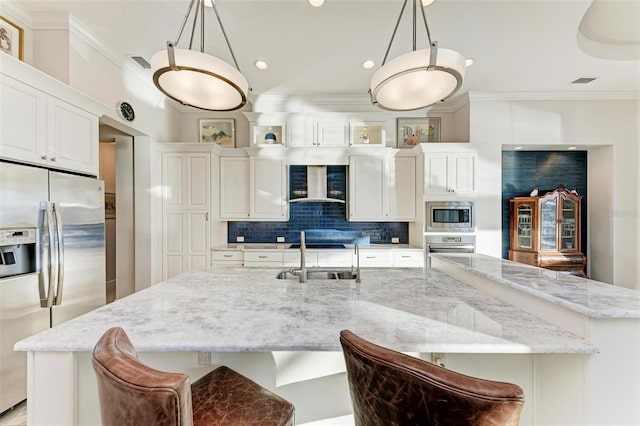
321 221
524 170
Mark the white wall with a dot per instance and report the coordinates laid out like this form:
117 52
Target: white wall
614 172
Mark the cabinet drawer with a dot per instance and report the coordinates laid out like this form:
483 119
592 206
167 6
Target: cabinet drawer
292 258
330 258
234 255
380 259
408 259
263 258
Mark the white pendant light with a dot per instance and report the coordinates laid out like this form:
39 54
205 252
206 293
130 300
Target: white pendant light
195 78
419 78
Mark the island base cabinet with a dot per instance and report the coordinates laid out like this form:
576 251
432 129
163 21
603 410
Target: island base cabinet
63 389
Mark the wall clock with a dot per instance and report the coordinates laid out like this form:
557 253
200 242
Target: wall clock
125 111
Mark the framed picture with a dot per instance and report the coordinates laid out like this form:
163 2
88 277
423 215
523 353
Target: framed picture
218 130
11 38
412 131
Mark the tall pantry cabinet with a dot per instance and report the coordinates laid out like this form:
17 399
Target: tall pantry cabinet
185 211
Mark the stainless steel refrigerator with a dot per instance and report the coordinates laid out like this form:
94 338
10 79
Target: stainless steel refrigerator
52 259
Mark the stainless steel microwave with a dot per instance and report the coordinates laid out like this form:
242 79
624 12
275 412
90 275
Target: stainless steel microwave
450 216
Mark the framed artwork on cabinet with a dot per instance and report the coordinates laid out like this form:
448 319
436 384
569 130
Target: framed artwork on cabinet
11 38
412 131
218 130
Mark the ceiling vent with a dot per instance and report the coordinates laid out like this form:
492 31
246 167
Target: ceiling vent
584 80
142 62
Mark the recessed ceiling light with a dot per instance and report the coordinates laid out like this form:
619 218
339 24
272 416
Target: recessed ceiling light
518 148
469 61
316 3
368 64
261 65
426 3
209 3
571 148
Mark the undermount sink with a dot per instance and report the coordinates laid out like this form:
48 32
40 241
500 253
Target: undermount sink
322 274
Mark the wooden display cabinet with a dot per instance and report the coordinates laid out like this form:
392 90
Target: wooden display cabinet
545 231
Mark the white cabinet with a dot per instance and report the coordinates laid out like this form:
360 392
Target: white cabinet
382 189
253 188
333 133
292 258
185 214
268 189
234 188
368 191
328 133
227 258
452 173
266 258
402 190
407 258
41 129
375 258
337 258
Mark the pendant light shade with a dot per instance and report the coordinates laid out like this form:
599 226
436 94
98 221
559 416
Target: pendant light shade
202 81
419 78
195 78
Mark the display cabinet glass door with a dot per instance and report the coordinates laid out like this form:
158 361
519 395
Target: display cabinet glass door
548 225
525 218
568 220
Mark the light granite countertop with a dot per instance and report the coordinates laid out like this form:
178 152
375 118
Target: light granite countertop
248 309
592 298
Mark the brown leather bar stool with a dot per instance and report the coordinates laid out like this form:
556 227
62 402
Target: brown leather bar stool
391 388
131 393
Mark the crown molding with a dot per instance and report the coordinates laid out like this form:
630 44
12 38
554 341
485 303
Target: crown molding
555 96
16 11
338 103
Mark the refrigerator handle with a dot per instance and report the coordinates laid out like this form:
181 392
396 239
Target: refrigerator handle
57 300
46 294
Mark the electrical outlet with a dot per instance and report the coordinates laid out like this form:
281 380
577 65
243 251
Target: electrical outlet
280 239
437 359
240 239
204 358
395 240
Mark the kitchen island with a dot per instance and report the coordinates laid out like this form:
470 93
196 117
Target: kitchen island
284 335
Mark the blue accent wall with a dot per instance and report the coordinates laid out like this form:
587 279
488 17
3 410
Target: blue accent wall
326 221
524 170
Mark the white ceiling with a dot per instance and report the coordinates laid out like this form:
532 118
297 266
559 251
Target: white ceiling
518 45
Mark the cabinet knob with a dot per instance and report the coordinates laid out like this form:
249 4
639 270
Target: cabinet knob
53 158
44 157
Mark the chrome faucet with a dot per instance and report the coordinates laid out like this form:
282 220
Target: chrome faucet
357 252
303 263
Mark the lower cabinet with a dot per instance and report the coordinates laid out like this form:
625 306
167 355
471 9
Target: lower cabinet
408 259
227 258
266 258
375 258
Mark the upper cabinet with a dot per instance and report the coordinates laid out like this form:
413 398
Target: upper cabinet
306 133
41 129
382 188
450 173
253 188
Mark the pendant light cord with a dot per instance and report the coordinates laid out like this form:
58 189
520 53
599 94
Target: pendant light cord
395 29
200 11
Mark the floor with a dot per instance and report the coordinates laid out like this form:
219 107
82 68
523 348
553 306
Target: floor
18 415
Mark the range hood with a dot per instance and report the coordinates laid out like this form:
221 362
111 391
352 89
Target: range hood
316 187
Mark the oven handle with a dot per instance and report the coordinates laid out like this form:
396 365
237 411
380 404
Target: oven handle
434 248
